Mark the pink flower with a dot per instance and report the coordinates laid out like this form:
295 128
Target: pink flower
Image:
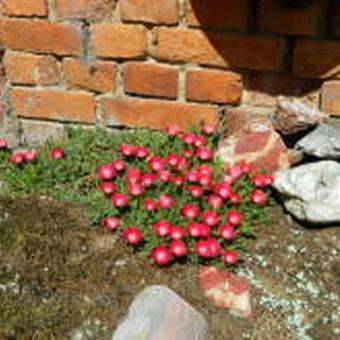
235 198
199 230
127 150
3 144
135 189
150 205
235 217
161 255
204 153
106 172
208 129
230 257
205 180
174 160
178 248
166 202
177 233
133 175
235 171
147 180
215 201
262 180
192 176
208 248
211 218
58 153
177 180
156 164
188 153
223 190
173 130
133 236
111 223
189 138
141 152
200 141
196 191
162 228
30 156
108 188
259 197
205 170
164 176
119 200
227 232
17 158
190 211
119 165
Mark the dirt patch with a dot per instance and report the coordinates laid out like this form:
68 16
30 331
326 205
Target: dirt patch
60 278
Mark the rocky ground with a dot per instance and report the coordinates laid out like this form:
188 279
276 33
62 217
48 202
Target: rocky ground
62 279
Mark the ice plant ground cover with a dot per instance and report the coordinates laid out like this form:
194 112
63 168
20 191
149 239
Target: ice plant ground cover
164 193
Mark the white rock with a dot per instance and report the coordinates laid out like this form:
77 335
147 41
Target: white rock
311 192
323 142
158 313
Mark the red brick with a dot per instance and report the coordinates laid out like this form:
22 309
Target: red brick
151 11
330 97
262 88
22 8
53 105
275 17
151 79
118 40
27 69
316 59
155 114
41 37
98 76
83 9
231 14
220 49
214 86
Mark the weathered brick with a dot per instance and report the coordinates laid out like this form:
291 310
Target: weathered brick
28 69
214 86
36 132
28 8
220 49
41 37
275 17
99 76
330 97
118 40
53 105
151 79
83 9
316 59
231 14
262 88
151 11
155 114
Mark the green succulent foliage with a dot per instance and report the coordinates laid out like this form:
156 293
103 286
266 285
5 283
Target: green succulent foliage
74 179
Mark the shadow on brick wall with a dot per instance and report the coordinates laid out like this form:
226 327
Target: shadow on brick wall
286 51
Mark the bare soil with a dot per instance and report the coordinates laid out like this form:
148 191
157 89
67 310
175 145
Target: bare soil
60 278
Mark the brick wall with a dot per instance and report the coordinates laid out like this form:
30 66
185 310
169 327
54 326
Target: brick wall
153 62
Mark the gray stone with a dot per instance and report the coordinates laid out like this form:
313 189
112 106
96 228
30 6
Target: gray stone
293 116
323 142
311 192
158 313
